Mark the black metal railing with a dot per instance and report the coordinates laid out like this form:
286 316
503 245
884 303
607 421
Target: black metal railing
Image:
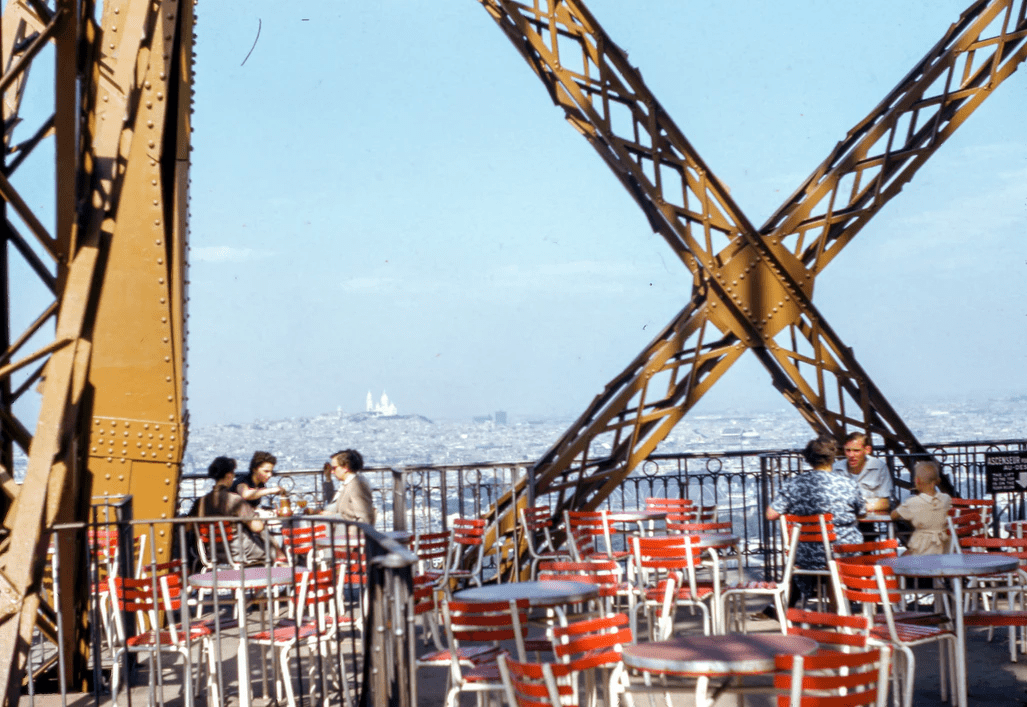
740 484
365 659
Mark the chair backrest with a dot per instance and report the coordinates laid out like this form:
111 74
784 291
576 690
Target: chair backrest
537 684
537 520
582 524
869 552
872 585
590 643
829 630
1015 547
299 542
468 538
699 527
671 558
603 573
832 678
146 597
216 536
484 622
965 525
984 506
678 510
812 529
432 550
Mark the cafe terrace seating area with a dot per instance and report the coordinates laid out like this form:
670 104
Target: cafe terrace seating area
603 607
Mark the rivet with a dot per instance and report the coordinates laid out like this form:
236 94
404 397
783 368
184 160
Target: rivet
165 339
164 320
162 300
167 482
165 500
162 515
149 123
156 222
162 532
157 242
108 476
160 280
167 378
149 104
146 84
94 450
151 144
160 96
160 261
167 359
170 398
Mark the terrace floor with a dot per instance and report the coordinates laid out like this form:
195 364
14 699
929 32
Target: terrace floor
993 679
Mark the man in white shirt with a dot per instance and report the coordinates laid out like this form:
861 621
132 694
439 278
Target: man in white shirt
871 474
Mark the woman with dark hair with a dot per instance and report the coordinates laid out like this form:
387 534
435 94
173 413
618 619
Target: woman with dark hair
253 486
353 500
248 547
820 490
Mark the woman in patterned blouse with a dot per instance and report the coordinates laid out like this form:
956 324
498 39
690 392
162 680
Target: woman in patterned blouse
819 491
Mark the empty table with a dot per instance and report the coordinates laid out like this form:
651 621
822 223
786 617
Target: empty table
953 567
705 657
240 581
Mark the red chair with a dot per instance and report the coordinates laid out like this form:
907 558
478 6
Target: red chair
468 541
678 510
474 631
150 599
595 644
665 572
314 623
812 529
537 521
537 684
299 543
585 525
989 591
877 586
606 574
830 678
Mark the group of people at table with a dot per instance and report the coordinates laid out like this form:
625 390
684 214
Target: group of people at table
846 488
240 495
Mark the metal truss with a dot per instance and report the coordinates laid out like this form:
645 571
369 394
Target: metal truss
106 348
752 288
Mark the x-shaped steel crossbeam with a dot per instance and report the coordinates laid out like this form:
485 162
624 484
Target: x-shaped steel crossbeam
752 288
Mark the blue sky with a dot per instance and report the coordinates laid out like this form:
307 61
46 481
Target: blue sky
384 198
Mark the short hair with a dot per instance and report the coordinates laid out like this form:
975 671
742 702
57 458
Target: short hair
820 451
349 458
857 436
221 467
262 458
928 471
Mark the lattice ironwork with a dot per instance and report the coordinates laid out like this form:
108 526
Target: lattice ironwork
752 287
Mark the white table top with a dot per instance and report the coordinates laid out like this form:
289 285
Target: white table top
956 565
538 593
246 578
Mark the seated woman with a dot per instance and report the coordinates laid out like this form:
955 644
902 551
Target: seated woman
253 486
248 546
821 490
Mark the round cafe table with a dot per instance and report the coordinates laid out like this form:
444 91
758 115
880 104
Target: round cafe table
705 657
539 593
240 581
954 567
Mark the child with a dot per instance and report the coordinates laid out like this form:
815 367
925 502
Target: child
927 511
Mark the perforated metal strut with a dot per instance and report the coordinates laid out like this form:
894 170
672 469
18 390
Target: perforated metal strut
752 288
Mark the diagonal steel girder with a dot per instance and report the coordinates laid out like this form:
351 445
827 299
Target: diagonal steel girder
752 289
